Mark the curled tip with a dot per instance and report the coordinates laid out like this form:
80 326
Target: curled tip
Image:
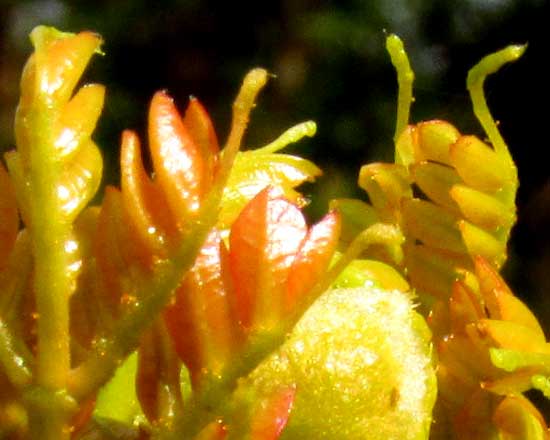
253 82
405 78
290 136
395 46
257 74
493 62
476 77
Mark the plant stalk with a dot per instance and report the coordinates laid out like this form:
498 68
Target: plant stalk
50 232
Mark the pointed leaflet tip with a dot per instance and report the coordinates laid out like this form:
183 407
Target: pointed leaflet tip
312 261
61 58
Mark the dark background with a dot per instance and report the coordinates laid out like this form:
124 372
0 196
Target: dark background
330 66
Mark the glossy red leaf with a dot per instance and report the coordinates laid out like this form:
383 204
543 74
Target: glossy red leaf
264 241
146 205
200 128
179 165
313 259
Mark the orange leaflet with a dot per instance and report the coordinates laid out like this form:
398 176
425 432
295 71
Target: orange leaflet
117 253
185 157
263 243
200 321
61 59
313 259
270 250
266 277
179 164
202 131
145 203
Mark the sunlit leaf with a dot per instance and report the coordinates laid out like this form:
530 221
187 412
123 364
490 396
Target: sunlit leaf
254 170
263 243
179 165
117 400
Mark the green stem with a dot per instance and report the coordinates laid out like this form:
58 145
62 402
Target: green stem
216 397
292 135
253 82
49 232
405 78
48 412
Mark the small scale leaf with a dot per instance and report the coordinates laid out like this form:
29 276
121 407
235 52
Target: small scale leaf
200 319
80 180
78 119
387 185
356 216
479 165
435 138
201 129
436 180
432 225
482 209
483 244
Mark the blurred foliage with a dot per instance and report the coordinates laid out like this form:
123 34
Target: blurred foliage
330 65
